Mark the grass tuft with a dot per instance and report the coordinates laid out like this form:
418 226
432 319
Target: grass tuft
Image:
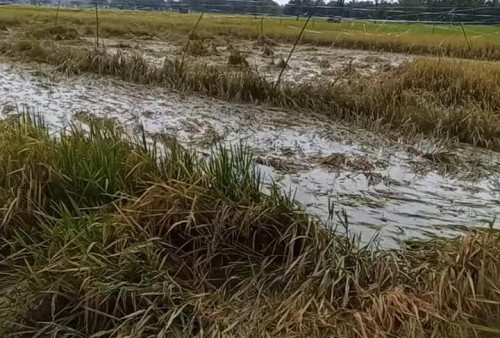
52 33
236 58
198 48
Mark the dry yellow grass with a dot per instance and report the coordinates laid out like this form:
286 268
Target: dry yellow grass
440 97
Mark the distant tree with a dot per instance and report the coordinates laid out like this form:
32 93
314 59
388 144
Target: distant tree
293 8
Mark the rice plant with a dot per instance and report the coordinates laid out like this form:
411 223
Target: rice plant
401 38
160 242
442 98
435 97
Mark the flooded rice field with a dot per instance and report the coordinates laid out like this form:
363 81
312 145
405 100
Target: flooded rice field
393 189
308 64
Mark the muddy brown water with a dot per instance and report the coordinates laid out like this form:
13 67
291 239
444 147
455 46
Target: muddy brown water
321 161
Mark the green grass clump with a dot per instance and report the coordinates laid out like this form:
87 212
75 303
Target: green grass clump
88 168
103 235
402 38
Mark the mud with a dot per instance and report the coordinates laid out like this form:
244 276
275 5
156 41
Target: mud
321 161
307 65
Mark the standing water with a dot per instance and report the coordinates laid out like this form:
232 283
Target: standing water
380 183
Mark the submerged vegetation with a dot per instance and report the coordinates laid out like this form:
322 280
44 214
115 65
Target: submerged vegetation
443 98
477 43
107 236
